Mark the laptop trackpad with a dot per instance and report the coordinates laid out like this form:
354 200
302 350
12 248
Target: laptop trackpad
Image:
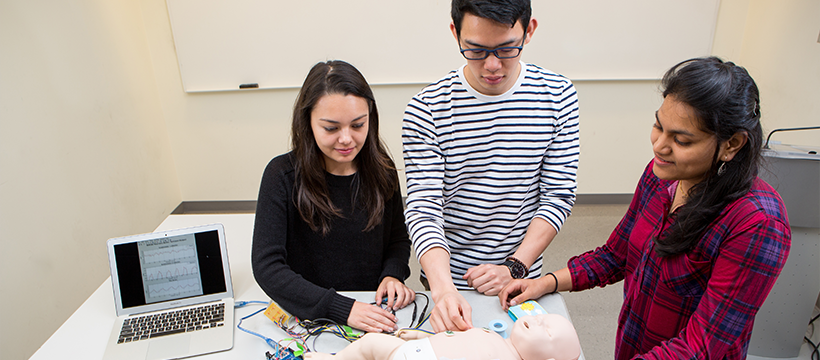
169 348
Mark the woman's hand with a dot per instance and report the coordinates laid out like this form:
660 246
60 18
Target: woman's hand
371 318
520 290
398 295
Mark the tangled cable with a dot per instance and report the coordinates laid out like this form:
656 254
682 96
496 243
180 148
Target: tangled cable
300 332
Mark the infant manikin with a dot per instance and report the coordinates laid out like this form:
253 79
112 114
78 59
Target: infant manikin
540 337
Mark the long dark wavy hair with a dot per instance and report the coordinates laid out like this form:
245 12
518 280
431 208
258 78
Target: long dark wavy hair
375 180
726 100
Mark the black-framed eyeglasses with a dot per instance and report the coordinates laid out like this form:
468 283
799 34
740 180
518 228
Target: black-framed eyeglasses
505 52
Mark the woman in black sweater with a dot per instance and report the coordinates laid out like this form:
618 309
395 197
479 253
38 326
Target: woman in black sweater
329 215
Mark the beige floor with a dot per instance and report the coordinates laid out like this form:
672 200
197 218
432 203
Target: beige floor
594 312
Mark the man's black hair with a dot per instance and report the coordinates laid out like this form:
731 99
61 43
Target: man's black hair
501 11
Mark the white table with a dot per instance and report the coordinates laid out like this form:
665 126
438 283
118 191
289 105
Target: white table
85 333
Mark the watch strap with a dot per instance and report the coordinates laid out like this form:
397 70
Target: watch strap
517 268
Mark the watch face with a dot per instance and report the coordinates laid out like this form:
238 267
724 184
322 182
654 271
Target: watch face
516 269
519 271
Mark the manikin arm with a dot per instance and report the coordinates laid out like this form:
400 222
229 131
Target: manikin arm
372 346
412 334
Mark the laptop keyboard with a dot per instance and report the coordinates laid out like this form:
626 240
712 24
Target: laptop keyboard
151 326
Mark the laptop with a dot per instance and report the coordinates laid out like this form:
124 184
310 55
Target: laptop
173 294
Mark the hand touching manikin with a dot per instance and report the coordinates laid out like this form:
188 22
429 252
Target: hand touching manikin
547 336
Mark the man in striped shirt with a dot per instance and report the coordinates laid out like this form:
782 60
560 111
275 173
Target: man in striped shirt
491 155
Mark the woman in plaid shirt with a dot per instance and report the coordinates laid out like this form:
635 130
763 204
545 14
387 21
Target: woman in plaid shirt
704 238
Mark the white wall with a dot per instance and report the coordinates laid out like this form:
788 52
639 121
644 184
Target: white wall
92 110
223 140
781 51
239 132
84 156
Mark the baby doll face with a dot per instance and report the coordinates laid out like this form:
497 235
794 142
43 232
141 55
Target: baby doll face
547 336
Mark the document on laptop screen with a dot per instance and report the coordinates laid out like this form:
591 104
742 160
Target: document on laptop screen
170 268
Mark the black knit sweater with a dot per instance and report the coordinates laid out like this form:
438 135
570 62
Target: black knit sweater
300 269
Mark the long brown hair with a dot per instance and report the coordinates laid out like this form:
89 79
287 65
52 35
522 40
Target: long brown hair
375 179
726 100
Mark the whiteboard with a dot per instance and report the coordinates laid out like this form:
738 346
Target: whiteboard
221 44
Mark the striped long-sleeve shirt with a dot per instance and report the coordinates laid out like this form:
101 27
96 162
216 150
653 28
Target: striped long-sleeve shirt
480 168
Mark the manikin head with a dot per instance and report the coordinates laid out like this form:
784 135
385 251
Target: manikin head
546 336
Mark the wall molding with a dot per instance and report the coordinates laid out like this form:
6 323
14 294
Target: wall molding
603 199
249 206
216 207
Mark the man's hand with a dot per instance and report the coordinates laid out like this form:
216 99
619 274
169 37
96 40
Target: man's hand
451 312
371 318
488 279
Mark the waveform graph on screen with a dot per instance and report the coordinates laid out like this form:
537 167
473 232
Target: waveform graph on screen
170 253
170 270
175 289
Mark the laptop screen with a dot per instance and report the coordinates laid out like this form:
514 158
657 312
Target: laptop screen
167 267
